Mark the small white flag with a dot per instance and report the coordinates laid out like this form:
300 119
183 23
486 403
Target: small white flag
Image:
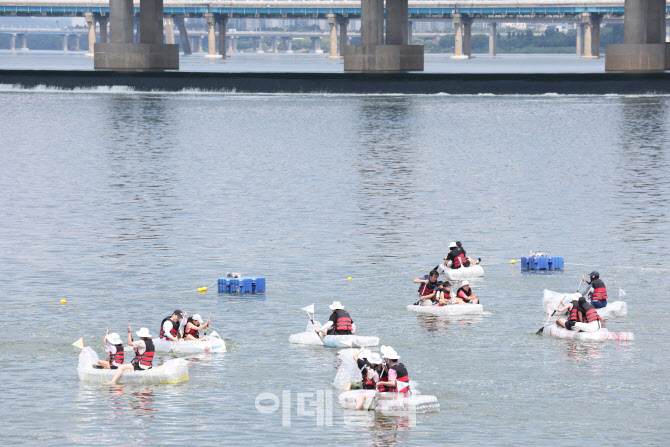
79 343
309 309
401 385
621 293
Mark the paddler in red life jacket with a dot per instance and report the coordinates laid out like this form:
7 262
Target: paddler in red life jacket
582 316
456 257
115 347
397 380
144 354
598 291
465 294
170 326
339 323
427 289
193 327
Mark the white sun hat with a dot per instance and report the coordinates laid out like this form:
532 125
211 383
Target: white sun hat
336 305
197 318
365 354
389 353
375 359
452 245
144 332
114 338
465 283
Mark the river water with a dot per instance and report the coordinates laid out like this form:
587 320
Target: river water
125 202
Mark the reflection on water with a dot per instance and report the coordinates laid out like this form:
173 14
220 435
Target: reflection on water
433 323
377 429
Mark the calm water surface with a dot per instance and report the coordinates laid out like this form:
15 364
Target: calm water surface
125 202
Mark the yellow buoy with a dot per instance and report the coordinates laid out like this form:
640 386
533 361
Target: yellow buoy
63 301
204 289
513 261
349 278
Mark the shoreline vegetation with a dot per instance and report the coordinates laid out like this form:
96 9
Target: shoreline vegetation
509 41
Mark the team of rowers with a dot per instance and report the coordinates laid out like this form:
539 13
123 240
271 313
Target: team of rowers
583 315
176 327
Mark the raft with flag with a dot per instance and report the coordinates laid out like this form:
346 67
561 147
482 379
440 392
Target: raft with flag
552 300
310 337
172 371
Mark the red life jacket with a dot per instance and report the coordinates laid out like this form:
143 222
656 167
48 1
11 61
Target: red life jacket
342 325
574 312
599 291
369 383
427 288
458 258
401 376
191 331
592 315
117 357
383 378
147 357
465 293
174 331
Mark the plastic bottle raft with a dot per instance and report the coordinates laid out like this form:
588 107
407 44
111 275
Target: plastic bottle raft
450 309
212 343
541 261
390 403
473 271
550 300
600 335
309 337
172 371
243 284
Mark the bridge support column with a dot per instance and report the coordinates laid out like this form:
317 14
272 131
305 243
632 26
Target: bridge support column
90 21
201 47
410 29
644 47
344 40
66 38
493 39
168 25
591 35
275 44
316 45
288 43
211 36
667 33
230 43
103 22
183 35
332 22
580 39
23 41
12 42
375 54
222 22
258 44
463 26
235 42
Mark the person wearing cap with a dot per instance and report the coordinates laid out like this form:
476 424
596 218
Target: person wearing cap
144 353
372 372
397 378
361 359
427 289
339 323
115 347
170 326
464 294
193 327
456 257
582 316
598 291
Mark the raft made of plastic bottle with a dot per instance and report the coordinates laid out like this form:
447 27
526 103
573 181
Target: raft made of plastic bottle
449 309
390 403
599 335
551 300
310 337
212 343
460 273
172 371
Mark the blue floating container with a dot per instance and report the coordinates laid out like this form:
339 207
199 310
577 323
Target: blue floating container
245 284
542 263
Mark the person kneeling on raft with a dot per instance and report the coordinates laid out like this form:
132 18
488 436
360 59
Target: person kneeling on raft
456 257
170 326
464 294
194 326
582 316
113 344
144 353
396 378
372 372
427 289
339 323
598 291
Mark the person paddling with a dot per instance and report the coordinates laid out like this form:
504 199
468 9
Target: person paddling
598 291
582 316
397 380
193 327
144 354
170 326
371 379
339 323
113 344
456 257
427 289
465 294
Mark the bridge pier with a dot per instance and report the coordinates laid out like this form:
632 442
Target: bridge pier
373 54
168 26
344 40
591 35
410 26
102 22
230 44
258 44
90 22
288 43
235 42
493 38
183 35
12 42
644 48
223 22
316 45
66 38
275 44
23 41
211 36
332 22
201 41
463 26
580 39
